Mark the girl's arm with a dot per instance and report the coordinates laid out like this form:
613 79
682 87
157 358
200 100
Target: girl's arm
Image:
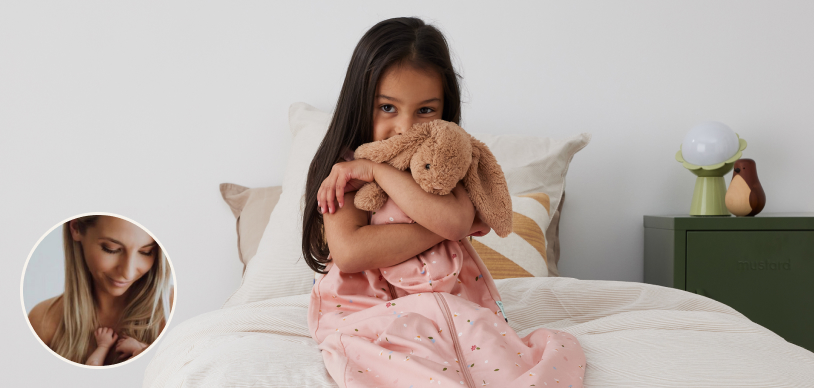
449 216
356 246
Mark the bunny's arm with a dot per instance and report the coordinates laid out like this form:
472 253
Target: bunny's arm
450 216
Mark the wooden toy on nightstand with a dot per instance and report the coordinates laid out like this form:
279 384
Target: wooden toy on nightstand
761 266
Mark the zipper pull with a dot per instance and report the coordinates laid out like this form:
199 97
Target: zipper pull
500 304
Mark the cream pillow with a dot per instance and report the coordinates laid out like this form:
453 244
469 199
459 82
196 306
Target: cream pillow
531 165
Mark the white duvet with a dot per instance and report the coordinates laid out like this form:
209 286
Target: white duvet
633 334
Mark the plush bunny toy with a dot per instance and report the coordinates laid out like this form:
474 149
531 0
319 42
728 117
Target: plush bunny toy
439 154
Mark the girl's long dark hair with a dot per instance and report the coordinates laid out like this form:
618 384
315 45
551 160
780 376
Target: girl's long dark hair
393 41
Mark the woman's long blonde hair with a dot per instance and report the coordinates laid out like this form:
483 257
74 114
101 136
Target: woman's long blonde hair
147 305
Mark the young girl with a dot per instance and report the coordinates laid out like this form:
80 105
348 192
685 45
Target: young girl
401 74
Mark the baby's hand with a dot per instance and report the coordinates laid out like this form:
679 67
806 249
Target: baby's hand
344 177
105 337
129 346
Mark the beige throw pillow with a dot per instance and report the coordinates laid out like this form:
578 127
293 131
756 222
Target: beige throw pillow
252 209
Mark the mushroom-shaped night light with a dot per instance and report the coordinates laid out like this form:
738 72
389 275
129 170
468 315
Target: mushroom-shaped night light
709 151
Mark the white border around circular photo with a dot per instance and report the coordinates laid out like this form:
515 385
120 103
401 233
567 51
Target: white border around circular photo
53 283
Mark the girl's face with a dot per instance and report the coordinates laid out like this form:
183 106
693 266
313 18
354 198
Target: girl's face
406 96
117 253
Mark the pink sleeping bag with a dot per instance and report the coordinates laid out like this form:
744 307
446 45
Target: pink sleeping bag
434 320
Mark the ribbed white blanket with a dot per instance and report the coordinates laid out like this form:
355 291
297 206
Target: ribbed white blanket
633 334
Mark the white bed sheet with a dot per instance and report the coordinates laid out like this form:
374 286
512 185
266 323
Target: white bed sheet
633 334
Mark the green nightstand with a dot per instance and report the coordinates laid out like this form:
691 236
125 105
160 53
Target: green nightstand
762 266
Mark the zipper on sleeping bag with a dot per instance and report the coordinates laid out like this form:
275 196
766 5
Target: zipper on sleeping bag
500 304
442 303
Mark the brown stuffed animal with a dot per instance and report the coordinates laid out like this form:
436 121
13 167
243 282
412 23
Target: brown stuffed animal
439 154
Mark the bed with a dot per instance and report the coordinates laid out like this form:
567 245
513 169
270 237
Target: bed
633 334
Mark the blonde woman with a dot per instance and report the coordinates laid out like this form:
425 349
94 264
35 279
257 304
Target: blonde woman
117 293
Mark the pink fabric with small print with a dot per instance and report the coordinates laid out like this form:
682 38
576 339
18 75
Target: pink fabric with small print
432 319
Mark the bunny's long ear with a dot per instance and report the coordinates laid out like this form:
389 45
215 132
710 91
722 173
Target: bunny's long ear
397 150
488 190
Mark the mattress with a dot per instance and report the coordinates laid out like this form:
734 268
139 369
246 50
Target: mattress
633 335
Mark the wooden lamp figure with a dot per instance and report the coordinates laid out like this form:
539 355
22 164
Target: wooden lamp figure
745 196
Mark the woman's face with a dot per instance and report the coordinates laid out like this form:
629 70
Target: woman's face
117 253
406 96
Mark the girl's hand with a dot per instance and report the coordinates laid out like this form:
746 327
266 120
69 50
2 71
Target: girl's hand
105 337
344 177
479 228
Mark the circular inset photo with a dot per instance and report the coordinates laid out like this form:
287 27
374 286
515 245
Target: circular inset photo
98 290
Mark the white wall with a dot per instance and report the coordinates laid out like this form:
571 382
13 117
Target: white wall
143 109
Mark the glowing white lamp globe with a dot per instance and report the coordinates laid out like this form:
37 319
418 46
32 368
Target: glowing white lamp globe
709 143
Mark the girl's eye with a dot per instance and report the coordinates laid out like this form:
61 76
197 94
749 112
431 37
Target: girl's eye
108 250
387 108
428 110
150 253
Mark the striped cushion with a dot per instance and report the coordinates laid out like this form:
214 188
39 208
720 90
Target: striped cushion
523 252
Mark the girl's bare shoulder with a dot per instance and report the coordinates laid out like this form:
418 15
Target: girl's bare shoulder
45 318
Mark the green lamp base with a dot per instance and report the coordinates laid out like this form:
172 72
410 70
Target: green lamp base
709 197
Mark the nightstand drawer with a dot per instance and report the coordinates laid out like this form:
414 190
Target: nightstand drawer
768 276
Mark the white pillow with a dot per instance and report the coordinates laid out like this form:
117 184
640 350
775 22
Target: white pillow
534 164
531 164
277 269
